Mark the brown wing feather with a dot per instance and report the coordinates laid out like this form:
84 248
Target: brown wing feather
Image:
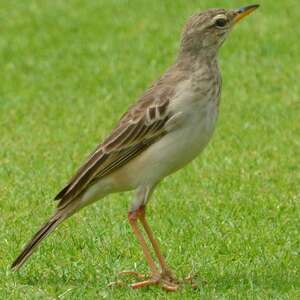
126 142
137 129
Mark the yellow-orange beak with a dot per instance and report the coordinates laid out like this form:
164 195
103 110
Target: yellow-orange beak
243 12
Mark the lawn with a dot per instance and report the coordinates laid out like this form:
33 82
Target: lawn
68 71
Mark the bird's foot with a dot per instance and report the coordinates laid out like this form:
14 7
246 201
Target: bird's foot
168 275
165 280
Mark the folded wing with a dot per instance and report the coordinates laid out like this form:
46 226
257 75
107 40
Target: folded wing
138 129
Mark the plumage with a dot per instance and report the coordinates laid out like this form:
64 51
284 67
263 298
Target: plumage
142 125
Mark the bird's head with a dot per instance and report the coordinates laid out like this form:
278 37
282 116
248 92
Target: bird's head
208 30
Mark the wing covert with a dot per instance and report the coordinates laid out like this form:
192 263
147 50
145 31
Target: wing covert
136 131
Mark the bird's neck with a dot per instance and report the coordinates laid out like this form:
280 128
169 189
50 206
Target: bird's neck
193 61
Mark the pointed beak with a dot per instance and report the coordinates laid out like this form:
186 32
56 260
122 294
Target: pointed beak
243 12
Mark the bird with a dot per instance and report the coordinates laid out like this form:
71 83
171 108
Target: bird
165 129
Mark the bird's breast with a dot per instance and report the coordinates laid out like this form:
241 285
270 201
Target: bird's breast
180 145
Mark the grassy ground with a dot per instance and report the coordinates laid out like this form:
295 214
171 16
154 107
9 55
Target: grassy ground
68 71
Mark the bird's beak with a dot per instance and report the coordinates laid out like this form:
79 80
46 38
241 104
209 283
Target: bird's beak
243 12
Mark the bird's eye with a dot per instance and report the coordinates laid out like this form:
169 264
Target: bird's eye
221 22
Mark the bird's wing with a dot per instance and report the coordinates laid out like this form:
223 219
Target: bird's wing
143 124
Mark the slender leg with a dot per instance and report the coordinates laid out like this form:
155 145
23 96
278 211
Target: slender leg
166 272
156 277
161 259
137 212
133 216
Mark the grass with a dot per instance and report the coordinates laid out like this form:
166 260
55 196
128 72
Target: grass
68 71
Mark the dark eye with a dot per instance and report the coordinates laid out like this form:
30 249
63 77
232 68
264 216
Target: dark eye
221 22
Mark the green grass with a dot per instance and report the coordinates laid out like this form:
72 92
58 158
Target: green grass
68 71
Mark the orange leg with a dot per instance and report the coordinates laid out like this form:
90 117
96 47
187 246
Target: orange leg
165 269
156 277
171 283
133 216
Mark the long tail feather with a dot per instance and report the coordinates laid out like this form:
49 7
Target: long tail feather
45 230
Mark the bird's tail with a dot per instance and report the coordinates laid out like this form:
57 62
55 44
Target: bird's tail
44 231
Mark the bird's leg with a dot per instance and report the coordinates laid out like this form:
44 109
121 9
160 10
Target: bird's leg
165 278
136 213
166 272
133 217
156 276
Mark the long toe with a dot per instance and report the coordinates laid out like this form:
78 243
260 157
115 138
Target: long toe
165 284
138 275
144 283
165 281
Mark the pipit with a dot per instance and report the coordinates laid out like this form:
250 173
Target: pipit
163 131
